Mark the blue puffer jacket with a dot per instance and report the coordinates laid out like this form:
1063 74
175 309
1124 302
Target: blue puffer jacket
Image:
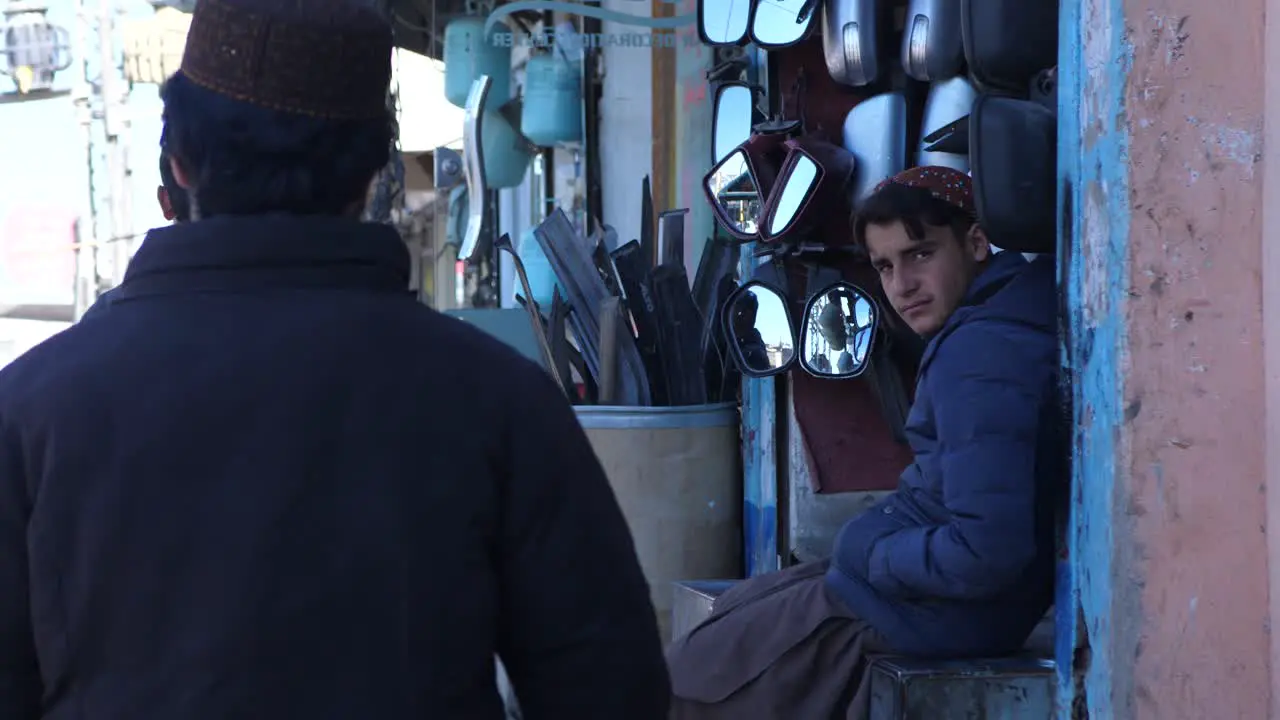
959 560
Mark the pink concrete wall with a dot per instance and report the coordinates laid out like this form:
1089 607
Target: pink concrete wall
1191 545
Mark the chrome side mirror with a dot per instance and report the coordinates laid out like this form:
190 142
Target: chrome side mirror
875 131
932 44
736 195
723 22
731 120
473 154
758 328
838 328
781 23
948 101
850 40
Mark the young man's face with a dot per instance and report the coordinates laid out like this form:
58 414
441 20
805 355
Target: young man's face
925 279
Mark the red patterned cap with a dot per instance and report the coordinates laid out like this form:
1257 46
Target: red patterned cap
950 186
324 58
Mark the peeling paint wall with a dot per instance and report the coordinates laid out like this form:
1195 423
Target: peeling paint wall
1162 208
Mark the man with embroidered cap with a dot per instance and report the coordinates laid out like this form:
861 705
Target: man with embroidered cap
959 561
267 482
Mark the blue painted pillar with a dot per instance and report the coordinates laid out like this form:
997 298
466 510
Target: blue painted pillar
1094 63
759 463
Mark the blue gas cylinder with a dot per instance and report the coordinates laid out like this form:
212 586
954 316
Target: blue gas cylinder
542 279
470 52
552 100
506 158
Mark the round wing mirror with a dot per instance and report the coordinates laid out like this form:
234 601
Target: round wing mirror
758 328
731 121
735 195
723 22
781 23
839 326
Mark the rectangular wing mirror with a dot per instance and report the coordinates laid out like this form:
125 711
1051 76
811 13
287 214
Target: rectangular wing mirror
733 115
781 23
723 22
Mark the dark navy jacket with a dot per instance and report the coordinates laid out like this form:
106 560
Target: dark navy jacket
263 481
959 560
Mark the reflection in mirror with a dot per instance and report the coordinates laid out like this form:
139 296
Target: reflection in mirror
838 329
733 185
797 186
724 22
760 330
775 22
732 120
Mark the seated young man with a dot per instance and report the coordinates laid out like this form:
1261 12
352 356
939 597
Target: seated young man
959 561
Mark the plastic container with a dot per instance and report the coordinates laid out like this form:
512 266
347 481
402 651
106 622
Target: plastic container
676 472
506 159
552 111
470 52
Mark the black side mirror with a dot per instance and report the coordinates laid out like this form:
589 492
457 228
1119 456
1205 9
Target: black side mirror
837 331
758 327
1014 156
723 22
1006 43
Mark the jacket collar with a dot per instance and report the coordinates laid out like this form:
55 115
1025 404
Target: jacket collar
227 254
1000 271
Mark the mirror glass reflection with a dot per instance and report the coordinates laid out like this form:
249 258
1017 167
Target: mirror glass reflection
838 331
760 330
733 120
798 185
724 22
734 187
775 22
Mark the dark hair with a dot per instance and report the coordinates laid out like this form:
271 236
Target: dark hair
912 206
177 194
244 159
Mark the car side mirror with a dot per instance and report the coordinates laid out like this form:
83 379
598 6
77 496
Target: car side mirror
1014 157
781 23
932 44
948 101
875 131
837 331
851 40
812 187
758 328
473 166
738 186
733 115
1007 43
723 22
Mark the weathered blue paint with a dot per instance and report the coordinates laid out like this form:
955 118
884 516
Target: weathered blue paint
759 464
759 413
1094 64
